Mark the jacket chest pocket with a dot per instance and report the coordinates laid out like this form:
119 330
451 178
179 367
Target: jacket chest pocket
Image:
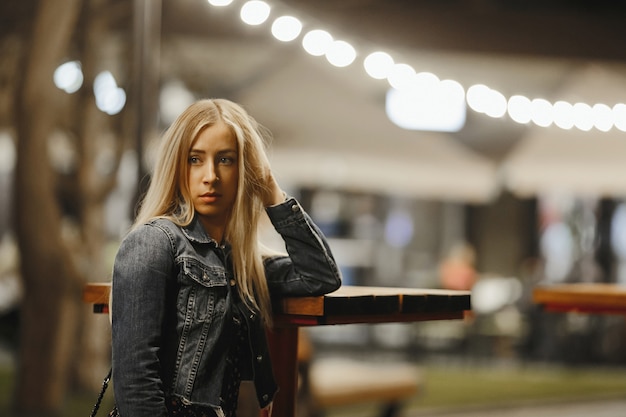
203 290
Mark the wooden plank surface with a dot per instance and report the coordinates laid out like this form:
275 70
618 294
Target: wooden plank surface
357 302
97 293
600 298
433 301
307 306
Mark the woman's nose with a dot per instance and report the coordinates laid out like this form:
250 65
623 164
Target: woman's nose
210 173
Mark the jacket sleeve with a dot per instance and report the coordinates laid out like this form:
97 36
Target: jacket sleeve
309 269
140 274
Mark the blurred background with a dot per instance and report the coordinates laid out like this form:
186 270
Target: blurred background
473 145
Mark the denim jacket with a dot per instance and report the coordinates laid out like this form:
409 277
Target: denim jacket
172 294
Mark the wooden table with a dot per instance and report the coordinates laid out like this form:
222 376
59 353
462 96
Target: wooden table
348 305
591 298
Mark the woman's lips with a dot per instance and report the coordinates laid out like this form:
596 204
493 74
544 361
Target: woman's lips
209 197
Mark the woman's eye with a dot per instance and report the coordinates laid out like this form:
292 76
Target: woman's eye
194 160
226 161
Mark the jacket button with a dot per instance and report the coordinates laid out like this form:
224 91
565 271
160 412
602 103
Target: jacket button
233 283
259 358
266 397
295 208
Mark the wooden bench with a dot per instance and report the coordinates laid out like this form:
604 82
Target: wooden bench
582 297
339 381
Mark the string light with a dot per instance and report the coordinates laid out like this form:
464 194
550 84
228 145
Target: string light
68 77
480 98
341 54
255 12
602 117
563 114
582 116
619 116
317 42
286 28
378 65
401 76
220 3
518 108
110 98
541 112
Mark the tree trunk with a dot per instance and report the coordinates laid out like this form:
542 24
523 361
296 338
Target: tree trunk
52 287
93 357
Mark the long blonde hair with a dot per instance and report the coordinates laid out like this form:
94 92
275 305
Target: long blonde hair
168 195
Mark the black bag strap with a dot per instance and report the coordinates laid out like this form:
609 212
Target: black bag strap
105 384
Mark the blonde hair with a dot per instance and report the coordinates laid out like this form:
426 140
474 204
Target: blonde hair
168 195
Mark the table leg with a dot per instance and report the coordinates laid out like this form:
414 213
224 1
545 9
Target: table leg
283 344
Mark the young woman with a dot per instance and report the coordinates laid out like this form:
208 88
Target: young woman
192 289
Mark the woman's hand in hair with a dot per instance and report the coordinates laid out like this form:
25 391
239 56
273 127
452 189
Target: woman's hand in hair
274 194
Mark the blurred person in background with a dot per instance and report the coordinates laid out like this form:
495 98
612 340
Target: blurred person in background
457 271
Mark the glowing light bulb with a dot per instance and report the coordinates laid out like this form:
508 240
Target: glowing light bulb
541 112
602 117
220 3
378 65
401 76
519 109
255 12
69 77
619 116
317 42
563 114
286 28
341 54
582 116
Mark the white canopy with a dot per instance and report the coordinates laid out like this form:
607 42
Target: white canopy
330 131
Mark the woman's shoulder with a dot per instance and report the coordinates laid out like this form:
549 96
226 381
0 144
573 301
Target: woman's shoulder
153 230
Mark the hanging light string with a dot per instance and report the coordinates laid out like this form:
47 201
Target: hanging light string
480 98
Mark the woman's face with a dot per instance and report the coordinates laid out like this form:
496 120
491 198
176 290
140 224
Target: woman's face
213 169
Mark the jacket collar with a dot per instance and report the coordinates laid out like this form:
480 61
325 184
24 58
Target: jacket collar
195 232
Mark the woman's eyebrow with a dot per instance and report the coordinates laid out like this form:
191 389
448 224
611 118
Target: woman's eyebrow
220 152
